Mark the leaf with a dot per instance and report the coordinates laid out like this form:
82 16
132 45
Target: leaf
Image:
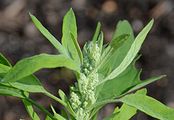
146 82
100 41
56 115
4 64
97 32
117 86
4 61
30 110
69 42
4 68
107 56
149 106
30 65
135 47
48 35
123 27
126 112
126 82
10 91
29 83
120 45
63 96
77 48
48 118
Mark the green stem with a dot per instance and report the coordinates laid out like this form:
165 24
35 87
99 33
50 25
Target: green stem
55 98
41 108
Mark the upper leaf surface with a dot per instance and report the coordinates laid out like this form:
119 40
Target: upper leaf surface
120 44
4 61
97 32
4 68
115 87
10 91
135 47
149 105
48 35
126 82
30 110
30 65
126 112
69 42
29 83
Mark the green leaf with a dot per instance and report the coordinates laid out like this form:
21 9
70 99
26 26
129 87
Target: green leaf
69 42
4 64
126 112
149 106
48 118
100 41
30 110
107 57
10 91
118 48
63 96
4 61
4 68
48 35
123 27
135 47
29 84
146 82
115 88
30 65
77 48
97 32
56 115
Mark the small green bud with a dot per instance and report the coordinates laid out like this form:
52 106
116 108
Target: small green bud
75 101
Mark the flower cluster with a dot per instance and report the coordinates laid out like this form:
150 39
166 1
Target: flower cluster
87 82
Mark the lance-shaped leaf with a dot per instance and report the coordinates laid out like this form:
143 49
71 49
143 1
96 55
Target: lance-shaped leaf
126 112
126 82
29 83
97 32
30 110
10 91
149 106
115 52
30 65
48 35
135 47
69 42
77 48
105 66
4 68
56 115
115 87
4 61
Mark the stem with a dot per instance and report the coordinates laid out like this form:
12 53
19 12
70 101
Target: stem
41 108
55 98
66 105
102 103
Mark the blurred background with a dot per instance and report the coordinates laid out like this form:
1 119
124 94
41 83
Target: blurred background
20 39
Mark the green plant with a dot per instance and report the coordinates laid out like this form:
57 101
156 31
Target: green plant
105 74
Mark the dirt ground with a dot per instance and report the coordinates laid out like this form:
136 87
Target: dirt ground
20 39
